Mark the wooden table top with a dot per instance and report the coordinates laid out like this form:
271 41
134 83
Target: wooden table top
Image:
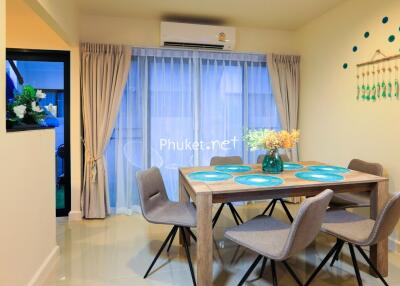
290 180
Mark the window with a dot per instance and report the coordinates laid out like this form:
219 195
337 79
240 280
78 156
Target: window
180 108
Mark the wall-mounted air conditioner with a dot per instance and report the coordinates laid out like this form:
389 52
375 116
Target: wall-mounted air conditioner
197 36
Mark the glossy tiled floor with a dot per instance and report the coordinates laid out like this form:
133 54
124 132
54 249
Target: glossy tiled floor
118 250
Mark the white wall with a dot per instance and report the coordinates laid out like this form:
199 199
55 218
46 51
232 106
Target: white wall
146 33
335 126
27 213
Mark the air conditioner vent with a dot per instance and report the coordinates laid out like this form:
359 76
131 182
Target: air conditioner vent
193 45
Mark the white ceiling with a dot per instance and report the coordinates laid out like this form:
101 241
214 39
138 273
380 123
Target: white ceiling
276 14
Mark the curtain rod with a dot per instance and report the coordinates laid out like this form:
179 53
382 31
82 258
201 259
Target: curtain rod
201 50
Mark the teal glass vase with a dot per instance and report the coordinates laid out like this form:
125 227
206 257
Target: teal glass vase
272 163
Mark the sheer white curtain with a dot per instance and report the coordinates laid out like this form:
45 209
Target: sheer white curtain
180 108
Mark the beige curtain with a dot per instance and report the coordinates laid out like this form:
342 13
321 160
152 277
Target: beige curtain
104 71
284 71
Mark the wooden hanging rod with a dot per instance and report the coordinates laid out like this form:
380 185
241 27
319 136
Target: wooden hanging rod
385 59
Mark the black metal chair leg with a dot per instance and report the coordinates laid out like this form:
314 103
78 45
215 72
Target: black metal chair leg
289 215
355 264
274 277
236 213
250 270
267 208
233 214
292 273
191 234
273 207
337 253
324 261
160 250
185 243
372 265
262 267
172 239
218 213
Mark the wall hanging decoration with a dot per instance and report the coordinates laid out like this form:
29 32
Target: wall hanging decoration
378 78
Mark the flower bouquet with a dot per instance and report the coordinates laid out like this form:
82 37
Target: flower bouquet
24 110
272 141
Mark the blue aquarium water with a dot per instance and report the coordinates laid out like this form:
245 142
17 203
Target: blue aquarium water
319 176
258 180
330 169
209 176
292 166
233 168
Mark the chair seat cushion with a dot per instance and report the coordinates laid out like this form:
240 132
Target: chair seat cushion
347 200
173 213
263 234
348 226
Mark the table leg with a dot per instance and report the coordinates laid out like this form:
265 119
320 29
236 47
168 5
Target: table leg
183 198
379 252
204 239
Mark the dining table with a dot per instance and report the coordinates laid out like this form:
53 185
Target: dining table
231 188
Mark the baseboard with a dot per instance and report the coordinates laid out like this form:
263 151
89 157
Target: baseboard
75 215
44 270
394 245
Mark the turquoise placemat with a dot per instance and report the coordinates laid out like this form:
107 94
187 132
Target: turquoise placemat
233 168
258 180
292 166
319 176
209 176
331 169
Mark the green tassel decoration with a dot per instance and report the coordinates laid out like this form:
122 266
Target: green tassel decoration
368 97
378 90
389 89
373 93
396 88
363 92
383 89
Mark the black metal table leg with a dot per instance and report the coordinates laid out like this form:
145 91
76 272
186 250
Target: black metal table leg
262 267
355 264
160 250
324 261
285 208
185 243
172 239
250 270
292 273
372 265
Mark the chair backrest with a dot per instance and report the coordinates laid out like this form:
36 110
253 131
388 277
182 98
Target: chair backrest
386 221
307 223
285 158
151 188
366 167
219 160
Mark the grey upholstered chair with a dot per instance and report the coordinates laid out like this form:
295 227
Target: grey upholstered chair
158 209
273 202
361 199
358 231
277 241
234 160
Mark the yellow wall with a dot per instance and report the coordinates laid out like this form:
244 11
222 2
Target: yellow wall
335 126
41 25
25 29
146 33
28 238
